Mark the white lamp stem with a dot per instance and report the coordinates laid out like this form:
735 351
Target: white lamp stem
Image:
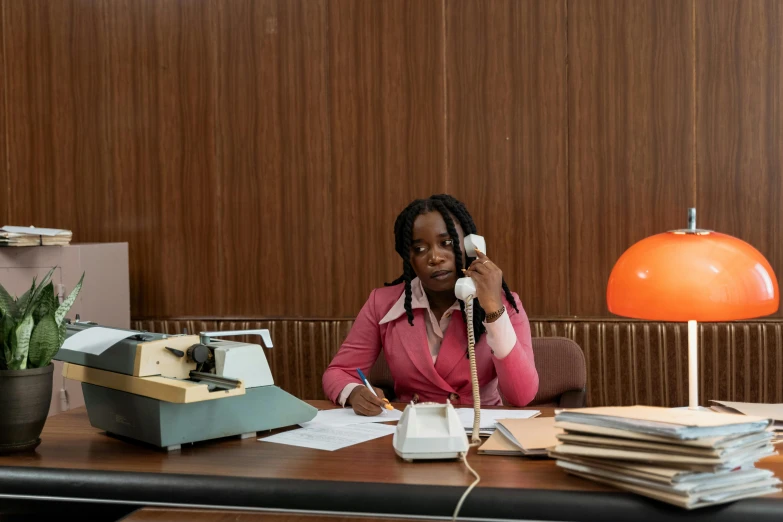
693 368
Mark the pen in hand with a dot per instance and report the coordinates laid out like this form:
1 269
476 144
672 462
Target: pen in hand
366 382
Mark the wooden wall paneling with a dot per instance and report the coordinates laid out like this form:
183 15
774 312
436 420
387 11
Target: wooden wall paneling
233 144
161 81
627 361
630 119
739 122
58 166
274 155
303 350
741 360
507 131
111 116
387 133
5 183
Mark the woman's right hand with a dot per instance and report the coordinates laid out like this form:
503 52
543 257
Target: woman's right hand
365 403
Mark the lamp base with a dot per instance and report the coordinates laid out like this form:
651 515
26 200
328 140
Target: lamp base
697 408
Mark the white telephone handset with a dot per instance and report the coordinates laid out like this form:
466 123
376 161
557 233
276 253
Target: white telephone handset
431 430
465 287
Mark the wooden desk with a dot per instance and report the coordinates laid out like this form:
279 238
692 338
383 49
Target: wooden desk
76 462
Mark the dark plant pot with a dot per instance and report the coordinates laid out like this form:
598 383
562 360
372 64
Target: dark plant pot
25 396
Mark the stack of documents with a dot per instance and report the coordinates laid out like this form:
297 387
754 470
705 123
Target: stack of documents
32 236
684 457
490 418
522 437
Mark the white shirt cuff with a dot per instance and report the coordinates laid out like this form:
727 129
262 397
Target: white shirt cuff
347 392
501 336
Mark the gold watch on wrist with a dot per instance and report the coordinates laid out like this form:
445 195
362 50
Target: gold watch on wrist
489 318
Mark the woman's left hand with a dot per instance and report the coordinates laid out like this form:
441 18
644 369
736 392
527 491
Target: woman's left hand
489 282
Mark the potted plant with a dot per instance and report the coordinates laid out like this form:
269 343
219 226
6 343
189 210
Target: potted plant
32 330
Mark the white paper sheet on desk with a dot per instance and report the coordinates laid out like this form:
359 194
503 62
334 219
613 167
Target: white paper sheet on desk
346 417
490 417
96 340
331 438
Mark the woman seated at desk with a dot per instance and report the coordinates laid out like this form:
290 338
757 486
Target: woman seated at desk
420 325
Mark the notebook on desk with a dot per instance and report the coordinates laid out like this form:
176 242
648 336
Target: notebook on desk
522 437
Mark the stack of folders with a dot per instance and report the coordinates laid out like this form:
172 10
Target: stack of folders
688 458
522 437
32 236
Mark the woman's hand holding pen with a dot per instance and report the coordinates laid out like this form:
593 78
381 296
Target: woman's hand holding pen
488 278
365 403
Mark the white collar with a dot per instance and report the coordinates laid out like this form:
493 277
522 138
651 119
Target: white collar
418 300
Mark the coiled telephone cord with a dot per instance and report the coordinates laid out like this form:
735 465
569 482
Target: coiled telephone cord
475 440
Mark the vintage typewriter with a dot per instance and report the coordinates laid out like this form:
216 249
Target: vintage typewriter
169 390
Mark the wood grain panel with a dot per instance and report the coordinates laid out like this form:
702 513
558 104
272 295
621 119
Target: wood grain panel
162 120
387 129
507 130
55 125
5 182
630 117
111 135
740 122
233 144
273 139
627 362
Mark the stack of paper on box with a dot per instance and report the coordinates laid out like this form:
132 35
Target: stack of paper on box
684 457
522 437
32 236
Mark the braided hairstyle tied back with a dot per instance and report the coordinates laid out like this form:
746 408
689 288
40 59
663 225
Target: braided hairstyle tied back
450 209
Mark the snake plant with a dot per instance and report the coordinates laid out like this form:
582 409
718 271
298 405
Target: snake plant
32 327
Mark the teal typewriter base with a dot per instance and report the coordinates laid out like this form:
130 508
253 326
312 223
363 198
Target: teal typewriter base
169 425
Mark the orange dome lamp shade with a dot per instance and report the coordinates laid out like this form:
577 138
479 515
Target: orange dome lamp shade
692 275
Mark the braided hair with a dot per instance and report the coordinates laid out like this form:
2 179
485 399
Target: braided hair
447 206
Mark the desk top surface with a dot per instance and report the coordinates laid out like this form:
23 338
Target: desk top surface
69 444
68 441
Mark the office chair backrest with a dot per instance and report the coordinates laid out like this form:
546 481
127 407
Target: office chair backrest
562 376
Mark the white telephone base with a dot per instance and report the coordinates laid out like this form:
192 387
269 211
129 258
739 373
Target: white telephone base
430 431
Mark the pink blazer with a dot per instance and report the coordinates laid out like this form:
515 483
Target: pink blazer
415 376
